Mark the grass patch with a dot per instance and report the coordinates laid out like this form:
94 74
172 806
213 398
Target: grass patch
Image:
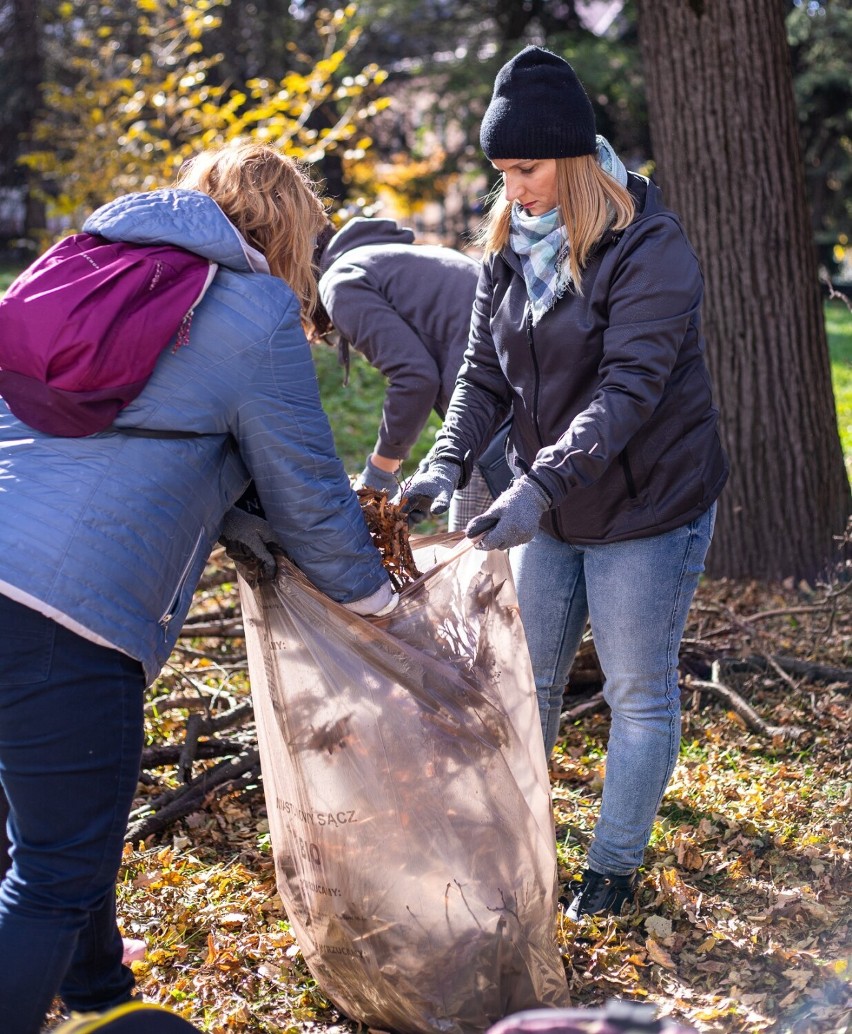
838 325
354 412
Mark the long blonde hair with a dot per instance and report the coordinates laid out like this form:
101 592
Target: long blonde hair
590 201
274 204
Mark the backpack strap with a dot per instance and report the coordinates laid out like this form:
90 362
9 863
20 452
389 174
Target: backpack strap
150 432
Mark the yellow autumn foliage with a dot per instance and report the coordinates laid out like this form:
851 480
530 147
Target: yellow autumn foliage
131 119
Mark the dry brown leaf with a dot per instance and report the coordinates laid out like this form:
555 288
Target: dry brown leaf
657 953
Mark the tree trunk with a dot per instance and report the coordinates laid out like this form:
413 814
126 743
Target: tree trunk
724 132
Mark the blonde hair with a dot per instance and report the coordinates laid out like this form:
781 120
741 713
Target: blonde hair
274 204
590 201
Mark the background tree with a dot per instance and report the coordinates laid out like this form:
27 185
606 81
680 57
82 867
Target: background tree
724 129
820 37
134 92
268 38
21 71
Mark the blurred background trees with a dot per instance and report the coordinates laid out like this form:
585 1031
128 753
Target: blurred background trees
151 80
742 111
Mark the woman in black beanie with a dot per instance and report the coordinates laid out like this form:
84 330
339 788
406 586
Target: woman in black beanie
587 328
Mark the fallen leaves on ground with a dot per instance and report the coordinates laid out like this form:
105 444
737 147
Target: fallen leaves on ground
742 919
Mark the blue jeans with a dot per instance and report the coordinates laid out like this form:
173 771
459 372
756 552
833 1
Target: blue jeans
636 595
71 735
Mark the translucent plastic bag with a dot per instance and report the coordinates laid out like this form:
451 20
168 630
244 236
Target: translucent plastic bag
408 795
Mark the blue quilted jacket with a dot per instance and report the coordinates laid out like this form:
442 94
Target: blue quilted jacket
108 534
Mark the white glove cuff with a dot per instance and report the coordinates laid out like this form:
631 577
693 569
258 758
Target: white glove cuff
377 604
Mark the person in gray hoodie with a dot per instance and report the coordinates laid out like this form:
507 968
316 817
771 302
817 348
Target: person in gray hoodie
406 308
103 539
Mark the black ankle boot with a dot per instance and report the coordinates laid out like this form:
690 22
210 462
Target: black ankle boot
598 893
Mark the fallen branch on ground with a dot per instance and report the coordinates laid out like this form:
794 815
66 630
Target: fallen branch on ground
741 707
155 815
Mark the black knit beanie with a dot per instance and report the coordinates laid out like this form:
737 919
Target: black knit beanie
539 109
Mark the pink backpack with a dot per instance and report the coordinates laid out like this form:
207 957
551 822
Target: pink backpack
82 328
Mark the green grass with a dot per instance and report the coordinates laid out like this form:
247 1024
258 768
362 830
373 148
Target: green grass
354 412
838 325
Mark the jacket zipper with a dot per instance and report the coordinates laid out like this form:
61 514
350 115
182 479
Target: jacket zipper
552 515
536 375
165 620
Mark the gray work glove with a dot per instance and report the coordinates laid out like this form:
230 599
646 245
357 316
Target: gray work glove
513 518
377 604
380 480
245 537
430 490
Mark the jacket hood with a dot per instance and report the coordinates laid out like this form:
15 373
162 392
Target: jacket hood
187 218
361 231
647 196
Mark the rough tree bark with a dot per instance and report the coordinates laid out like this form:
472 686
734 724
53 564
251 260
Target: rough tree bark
723 126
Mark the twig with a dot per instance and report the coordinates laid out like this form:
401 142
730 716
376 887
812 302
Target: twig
805 670
781 612
779 671
168 753
741 707
194 725
591 706
231 628
833 293
197 726
200 617
154 816
233 661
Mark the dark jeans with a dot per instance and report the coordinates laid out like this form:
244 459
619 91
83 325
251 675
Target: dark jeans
70 749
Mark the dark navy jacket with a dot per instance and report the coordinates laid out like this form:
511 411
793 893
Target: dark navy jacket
610 394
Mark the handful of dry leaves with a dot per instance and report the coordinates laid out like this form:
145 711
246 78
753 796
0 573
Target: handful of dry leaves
388 527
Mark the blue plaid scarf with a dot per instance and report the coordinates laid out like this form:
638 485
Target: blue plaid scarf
542 245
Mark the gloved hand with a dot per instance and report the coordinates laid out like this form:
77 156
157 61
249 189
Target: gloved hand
430 490
513 518
377 604
245 537
374 477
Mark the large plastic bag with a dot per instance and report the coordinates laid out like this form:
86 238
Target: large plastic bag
408 795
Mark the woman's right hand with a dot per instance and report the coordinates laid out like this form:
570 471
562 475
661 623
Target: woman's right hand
430 490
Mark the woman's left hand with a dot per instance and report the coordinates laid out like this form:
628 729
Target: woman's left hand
513 518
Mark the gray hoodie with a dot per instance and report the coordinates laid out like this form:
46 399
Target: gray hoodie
406 307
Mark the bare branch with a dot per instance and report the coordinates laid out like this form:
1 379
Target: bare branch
741 707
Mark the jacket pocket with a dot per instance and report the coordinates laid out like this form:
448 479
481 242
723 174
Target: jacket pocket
166 618
624 460
28 642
